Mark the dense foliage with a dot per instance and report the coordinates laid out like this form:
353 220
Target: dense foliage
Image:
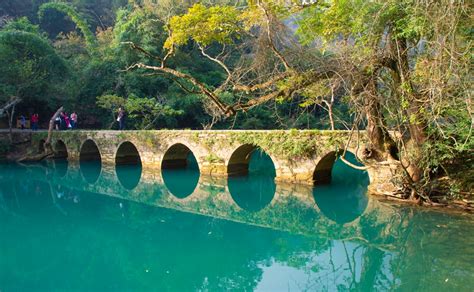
392 66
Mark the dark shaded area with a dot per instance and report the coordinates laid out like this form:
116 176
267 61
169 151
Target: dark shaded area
90 161
128 165
344 199
254 190
61 167
239 161
127 154
41 146
60 150
323 173
180 171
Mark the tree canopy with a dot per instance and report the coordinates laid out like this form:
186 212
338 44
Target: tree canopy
382 66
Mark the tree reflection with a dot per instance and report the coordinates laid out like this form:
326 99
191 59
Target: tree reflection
389 248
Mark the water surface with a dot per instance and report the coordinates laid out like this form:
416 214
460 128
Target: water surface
90 227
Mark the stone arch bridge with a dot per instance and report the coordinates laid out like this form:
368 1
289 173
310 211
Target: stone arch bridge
299 156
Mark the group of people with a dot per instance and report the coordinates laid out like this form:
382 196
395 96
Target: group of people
33 122
65 121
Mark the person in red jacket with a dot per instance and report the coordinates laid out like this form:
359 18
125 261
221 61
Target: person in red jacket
34 122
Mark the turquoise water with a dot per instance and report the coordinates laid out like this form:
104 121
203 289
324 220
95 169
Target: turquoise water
91 227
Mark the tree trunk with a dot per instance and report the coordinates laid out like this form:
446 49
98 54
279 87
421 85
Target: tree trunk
330 113
416 122
380 140
331 118
47 144
10 122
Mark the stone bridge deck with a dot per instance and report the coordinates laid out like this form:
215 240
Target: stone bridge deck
299 156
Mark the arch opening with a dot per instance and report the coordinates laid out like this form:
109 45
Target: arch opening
251 178
340 190
180 170
323 173
128 165
90 161
331 170
89 151
60 150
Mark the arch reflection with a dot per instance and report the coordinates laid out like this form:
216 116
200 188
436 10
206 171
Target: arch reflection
180 171
344 199
61 167
60 158
251 179
128 165
60 150
90 161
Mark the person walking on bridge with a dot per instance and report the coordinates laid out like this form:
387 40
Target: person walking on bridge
73 120
121 119
22 122
34 122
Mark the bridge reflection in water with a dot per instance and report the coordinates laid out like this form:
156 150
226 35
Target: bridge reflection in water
252 198
334 239
181 175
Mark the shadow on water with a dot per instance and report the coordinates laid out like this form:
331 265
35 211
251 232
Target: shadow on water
254 191
129 175
90 161
128 166
182 181
91 170
61 167
397 248
345 198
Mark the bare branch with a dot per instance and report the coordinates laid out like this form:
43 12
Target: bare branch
13 101
270 40
225 109
224 66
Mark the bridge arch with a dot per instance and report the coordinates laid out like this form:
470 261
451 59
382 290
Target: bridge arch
127 154
180 170
251 177
322 174
90 161
60 150
324 170
128 165
239 161
340 190
89 151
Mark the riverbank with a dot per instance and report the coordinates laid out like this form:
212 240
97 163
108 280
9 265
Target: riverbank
464 205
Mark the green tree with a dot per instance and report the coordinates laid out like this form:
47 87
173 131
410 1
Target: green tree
32 70
142 113
76 17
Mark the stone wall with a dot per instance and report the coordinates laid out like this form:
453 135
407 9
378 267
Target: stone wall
301 157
